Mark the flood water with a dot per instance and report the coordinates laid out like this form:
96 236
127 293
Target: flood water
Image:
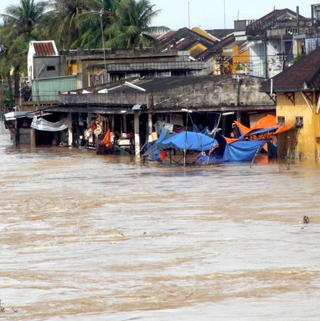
87 237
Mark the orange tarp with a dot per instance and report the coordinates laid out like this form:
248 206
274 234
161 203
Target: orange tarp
230 140
107 139
266 122
283 129
244 130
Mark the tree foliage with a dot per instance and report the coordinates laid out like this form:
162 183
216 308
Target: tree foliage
117 24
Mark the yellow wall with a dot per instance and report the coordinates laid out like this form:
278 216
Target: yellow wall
307 146
197 49
236 62
205 34
240 61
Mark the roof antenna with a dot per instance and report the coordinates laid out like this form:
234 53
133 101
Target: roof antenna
224 14
189 14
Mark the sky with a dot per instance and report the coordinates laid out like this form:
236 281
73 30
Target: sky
209 14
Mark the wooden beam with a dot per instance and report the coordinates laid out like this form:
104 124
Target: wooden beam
309 96
291 97
272 98
306 100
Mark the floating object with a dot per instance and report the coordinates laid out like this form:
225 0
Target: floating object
306 220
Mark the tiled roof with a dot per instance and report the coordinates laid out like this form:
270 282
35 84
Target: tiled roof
220 33
303 75
217 48
183 39
45 48
166 35
271 19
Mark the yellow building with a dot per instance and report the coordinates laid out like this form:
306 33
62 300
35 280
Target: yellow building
236 57
297 93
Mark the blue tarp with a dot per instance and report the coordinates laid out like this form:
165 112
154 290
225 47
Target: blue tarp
153 148
242 150
188 140
261 131
239 151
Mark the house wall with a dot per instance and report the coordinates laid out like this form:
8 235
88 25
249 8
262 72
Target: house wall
43 67
265 60
48 89
274 60
220 93
257 59
240 60
307 146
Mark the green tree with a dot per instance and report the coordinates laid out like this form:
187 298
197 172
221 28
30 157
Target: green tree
130 24
68 18
20 23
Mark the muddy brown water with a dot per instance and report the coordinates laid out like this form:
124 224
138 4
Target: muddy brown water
87 237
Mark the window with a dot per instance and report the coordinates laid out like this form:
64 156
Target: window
299 122
51 68
281 120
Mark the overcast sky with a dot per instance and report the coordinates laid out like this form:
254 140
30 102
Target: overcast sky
209 14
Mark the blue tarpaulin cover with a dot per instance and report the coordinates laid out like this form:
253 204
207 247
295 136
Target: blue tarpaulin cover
261 131
188 140
153 148
238 151
242 150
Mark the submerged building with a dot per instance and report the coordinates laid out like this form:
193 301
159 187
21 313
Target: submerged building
297 93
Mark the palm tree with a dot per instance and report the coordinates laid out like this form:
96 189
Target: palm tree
67 20
24 17
19 26
130 24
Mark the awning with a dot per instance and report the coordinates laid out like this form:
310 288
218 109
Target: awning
44 125
13 115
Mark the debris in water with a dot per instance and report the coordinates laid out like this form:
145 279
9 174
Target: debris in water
2 309
306 219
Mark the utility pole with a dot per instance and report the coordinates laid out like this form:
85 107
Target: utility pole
103 45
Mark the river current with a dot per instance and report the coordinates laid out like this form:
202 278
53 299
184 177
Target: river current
88 237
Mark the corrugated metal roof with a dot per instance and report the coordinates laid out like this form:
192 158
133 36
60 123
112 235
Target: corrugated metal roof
44 49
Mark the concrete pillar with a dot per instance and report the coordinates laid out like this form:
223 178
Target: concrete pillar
33 141
224 124
112 123
124 119
70 132
149 128
137 134
239 116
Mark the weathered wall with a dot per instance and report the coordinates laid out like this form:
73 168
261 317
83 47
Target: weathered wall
41 64
220 93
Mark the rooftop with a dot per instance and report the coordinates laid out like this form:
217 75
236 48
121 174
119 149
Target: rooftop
44 48
303 75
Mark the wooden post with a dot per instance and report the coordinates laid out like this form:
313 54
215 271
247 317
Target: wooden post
137 134
70 132
17 133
